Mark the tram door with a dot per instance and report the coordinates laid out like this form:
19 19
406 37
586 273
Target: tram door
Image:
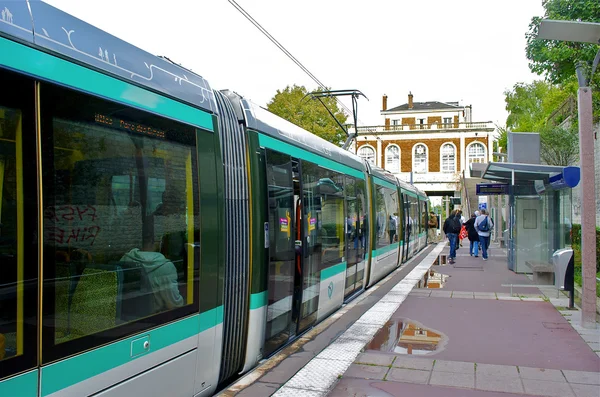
290 305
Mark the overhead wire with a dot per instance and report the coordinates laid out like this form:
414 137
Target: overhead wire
287 53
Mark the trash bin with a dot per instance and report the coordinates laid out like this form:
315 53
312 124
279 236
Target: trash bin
564 268
561 260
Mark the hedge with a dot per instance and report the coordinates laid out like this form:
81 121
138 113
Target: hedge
576 240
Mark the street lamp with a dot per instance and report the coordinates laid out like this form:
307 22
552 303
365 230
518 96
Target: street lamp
583 32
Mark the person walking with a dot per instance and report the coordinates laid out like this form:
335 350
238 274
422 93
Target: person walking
483 225
451 229
432 226
472 235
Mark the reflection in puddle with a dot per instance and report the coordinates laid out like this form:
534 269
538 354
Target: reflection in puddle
441 260
436 280
404 336
432 280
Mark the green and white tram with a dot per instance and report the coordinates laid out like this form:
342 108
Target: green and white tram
158 237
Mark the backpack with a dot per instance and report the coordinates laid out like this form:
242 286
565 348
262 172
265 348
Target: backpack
484 225
455 225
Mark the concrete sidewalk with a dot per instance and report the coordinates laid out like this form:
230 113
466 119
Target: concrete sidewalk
472 338
469 338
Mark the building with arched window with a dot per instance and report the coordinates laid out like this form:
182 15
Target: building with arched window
367 152
428 143
448 158
392 158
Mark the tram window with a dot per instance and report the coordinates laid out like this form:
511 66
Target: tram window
10 336
120 216
18 250
387 216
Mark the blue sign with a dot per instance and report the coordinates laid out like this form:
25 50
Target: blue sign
568 178
483 206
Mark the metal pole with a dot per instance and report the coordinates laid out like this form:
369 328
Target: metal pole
588 209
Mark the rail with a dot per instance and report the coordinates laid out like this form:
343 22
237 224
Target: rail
421 127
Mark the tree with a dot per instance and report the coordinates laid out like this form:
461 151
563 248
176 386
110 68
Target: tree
530 107
559 146
556 60
309 113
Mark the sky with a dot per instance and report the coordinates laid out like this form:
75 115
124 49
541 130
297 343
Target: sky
469 51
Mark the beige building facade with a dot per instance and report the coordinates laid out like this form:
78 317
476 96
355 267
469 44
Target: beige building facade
428 143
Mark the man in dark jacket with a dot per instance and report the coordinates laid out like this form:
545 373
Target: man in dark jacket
452 228
473 236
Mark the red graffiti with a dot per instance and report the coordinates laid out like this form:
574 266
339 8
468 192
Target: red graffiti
76 234
71 212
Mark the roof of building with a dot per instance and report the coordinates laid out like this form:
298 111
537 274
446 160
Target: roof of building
433 105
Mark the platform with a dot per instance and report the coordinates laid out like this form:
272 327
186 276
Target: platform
470 337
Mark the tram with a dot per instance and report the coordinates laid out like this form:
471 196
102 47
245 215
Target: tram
159 237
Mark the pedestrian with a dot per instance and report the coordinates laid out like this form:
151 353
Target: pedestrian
483 225
451 229
433 225
472 235
461 235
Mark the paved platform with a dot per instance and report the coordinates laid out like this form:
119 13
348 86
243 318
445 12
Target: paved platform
469 338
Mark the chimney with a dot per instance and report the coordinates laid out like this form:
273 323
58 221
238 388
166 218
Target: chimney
384 105
410 100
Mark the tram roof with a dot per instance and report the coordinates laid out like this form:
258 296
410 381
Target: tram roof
260 119
49 29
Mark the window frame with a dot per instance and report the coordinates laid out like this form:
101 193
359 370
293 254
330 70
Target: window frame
414 158
470 157
52 351
367 146
395 170
23 99
453 163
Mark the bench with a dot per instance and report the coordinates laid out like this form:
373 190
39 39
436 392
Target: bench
543 272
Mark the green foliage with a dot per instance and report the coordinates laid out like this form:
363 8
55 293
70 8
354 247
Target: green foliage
530 107
292 105
502 141
576 243
559 146
556 60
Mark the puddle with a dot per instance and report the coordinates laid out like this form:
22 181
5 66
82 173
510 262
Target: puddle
441 260
432 280
405 336
436 280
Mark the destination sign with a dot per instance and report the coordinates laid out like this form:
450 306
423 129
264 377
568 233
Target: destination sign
491 189
129 126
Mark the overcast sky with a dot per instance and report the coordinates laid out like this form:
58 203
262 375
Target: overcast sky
466 50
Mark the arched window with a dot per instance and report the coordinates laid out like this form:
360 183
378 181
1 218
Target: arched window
448 155
420 158
392 159
476 153
367 153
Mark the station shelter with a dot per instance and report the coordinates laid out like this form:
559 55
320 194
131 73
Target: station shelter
538 211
